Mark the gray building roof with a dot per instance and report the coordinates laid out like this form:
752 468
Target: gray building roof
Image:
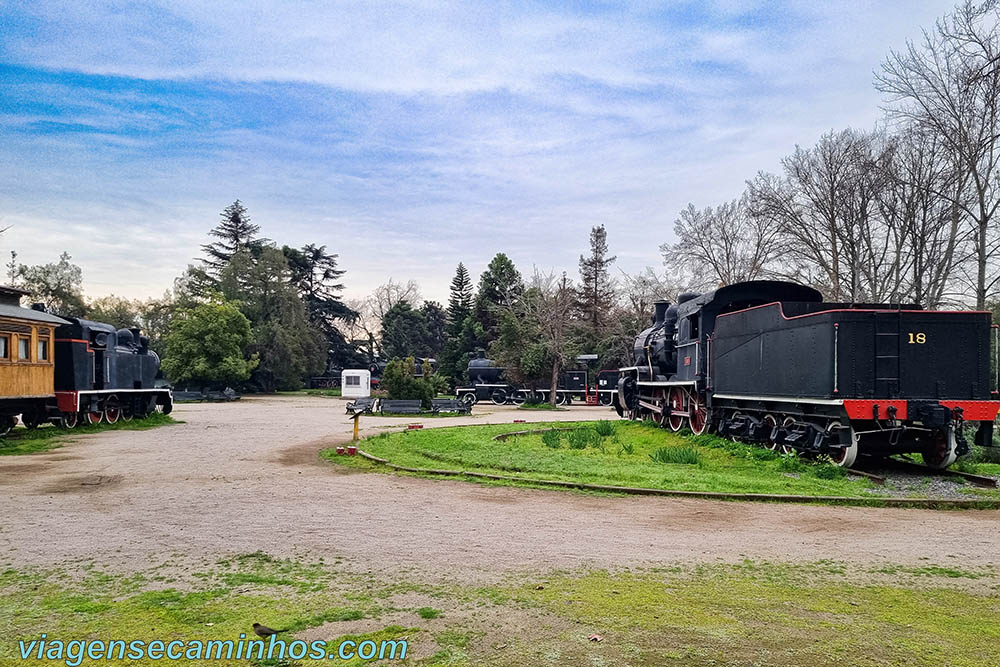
8 310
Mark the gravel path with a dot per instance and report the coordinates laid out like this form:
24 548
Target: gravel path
246 476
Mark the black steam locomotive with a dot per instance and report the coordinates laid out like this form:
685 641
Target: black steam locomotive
68 370
770 362
488 382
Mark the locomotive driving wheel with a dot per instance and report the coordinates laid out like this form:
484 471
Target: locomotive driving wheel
699 418
520 396
112 410
93 416
6 424
788 449
675 409
499 396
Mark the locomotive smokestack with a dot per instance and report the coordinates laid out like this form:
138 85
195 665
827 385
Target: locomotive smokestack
659 310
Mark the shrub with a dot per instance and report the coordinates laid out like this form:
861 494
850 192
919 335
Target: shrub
400 384
985 455
579 438
551 439
627 448
829 471
605 428
791 463
685 455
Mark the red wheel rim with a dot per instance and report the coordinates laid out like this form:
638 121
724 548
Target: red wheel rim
94 417
675 404
699 416
771 423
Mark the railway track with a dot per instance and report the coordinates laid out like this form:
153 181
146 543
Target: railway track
902 465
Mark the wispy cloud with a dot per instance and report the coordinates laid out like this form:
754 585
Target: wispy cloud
409 135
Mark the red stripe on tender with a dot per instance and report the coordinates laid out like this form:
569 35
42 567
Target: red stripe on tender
865 408
975 411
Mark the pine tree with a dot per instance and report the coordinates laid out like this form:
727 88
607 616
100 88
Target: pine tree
235 233
500 287
460 301
595 296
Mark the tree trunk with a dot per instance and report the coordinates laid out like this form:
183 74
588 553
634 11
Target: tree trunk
555 382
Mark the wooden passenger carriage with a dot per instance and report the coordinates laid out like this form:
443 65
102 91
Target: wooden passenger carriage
27 359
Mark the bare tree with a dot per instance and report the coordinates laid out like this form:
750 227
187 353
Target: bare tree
721 245
390 293
917 166
825 214
949 85
549 301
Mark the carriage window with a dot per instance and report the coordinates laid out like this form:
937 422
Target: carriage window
24 349
43 350
4 347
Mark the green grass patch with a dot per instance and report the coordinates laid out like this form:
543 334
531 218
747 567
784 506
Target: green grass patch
631 456
784 614
49 436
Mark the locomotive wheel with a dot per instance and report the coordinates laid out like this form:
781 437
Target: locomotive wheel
69 419
605 399
499 396
699 419
846 456
560 398
6 424
112 410
675 407
519 397
733 417
128 411
771 422
167 407
93 417
469 398
785 449
32 420
940 453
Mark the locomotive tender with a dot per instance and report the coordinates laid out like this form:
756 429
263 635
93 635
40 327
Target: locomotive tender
68 370
769 362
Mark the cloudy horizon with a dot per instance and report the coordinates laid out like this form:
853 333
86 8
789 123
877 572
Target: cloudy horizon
411 136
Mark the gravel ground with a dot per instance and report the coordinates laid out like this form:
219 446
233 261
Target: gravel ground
241 477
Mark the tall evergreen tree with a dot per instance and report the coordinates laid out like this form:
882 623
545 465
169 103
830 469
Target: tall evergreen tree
596 295
315 274
235 233
460 300
436 320
500 287
404 332
461 336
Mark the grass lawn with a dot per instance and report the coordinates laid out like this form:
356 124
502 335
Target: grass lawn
330 393
629 454
748 613
48 436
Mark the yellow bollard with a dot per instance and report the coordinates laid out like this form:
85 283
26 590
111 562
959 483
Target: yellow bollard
357 418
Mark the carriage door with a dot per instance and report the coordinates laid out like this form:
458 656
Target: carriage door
887 354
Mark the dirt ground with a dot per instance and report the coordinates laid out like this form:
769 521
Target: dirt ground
243 477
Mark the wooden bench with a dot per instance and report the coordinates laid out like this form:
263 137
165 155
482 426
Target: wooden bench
400 407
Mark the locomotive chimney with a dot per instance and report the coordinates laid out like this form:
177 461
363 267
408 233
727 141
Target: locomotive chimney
659 310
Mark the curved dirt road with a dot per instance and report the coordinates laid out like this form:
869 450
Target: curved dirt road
246 476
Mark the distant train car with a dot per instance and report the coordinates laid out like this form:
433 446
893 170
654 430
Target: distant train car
67 370
104 374
487 382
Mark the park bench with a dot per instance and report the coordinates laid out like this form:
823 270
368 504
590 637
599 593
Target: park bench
449 405
366 404
400 407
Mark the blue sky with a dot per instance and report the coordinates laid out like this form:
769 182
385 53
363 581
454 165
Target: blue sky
409 136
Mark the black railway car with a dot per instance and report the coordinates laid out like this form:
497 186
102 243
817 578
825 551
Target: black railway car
770 362
103 374
487 381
